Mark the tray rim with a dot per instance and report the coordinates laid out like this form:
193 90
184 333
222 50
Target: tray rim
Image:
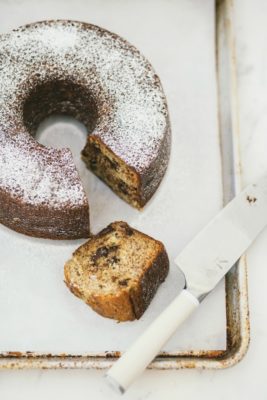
237 337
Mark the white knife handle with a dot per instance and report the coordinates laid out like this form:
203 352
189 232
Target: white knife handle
134 361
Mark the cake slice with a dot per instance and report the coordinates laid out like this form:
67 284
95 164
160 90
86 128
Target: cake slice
118 271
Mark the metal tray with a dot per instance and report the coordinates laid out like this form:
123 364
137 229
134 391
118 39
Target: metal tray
237 329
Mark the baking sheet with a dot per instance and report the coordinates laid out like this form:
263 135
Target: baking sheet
38 312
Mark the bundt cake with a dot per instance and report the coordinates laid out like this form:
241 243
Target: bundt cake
78 69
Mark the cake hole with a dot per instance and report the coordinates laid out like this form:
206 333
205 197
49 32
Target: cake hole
62 131
61 114
59 97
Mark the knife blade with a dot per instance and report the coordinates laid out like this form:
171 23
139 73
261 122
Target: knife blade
204 262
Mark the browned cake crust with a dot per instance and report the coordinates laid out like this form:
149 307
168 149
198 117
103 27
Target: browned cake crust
81 70
42 221
118 271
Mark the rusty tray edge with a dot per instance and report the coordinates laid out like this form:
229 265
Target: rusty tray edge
238 329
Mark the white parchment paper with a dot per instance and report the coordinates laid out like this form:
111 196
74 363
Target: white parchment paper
37 311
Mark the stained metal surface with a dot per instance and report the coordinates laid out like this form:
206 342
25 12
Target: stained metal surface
236 279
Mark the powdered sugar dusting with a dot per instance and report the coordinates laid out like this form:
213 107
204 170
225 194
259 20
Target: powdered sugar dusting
37 177
133 116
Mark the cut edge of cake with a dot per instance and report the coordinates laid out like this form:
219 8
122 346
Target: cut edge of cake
118 271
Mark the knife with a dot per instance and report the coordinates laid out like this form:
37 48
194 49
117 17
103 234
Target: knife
204 262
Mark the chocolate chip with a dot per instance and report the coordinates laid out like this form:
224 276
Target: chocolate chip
123 187
93 163
103 252
106 230
95 149
113 164
129 231
123 282
114 260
